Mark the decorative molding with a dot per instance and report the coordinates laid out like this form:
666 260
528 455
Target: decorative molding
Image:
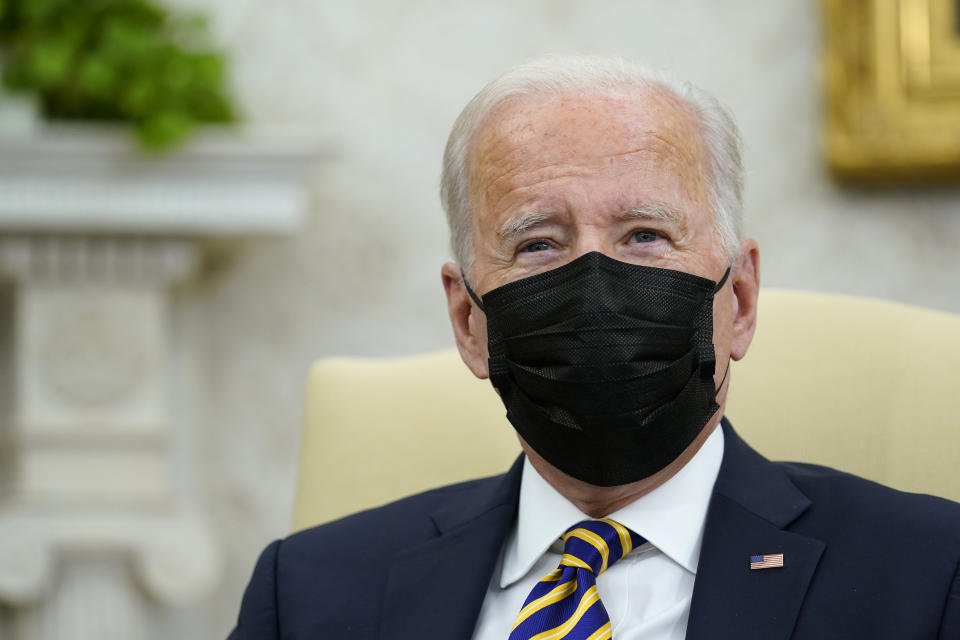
90 602
222 182
93 233
96 260
26 566
173 553
92 356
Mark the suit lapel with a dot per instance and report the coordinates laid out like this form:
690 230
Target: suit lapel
436 588
752 502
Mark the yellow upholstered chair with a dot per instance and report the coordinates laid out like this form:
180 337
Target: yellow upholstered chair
868 386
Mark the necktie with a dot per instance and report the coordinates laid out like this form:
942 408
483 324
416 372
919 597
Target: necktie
565 603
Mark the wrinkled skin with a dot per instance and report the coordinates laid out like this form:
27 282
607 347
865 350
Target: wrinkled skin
622 173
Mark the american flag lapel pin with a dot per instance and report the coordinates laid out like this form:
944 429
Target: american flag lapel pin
767 561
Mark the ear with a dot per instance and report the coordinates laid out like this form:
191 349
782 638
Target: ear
468 321
746 288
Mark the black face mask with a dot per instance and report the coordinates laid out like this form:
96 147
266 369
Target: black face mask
605 367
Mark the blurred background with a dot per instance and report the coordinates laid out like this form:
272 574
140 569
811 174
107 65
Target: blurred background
369 89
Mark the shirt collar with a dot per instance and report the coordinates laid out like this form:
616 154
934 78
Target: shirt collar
671 517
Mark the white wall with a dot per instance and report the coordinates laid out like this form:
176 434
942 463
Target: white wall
388 79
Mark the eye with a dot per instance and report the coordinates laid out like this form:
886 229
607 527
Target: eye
645 235
535 246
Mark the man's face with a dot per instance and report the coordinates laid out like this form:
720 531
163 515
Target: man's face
620 173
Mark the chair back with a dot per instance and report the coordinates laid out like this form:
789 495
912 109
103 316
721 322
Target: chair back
867 386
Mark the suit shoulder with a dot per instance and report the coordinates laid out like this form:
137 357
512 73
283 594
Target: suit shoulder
388 527
323 581
858 503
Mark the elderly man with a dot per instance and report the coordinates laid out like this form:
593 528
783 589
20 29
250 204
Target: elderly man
602 285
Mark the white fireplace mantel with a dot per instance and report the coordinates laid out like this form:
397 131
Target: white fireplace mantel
224 181
93 234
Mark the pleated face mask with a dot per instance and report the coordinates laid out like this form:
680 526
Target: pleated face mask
605 367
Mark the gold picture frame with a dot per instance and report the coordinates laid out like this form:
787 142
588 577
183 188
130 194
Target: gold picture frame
892 73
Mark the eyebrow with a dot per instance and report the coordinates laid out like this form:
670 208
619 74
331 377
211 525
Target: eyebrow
518 224
652 212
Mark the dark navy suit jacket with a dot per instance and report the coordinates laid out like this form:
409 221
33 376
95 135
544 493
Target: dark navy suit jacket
860 561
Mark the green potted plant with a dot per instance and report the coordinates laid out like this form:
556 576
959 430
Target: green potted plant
115 60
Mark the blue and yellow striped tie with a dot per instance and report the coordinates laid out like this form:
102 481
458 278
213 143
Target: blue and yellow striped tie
565 603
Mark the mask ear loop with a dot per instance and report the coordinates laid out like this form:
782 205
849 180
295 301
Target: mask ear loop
471 292
716 289
704 340
716 391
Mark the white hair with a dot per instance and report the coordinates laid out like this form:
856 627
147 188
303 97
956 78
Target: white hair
555 76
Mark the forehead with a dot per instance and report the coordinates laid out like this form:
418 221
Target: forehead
647 133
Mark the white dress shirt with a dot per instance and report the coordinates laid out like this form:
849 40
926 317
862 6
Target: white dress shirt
647 593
